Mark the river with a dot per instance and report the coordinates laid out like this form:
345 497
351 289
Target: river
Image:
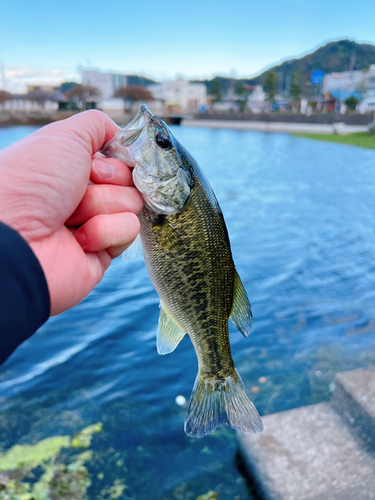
301 220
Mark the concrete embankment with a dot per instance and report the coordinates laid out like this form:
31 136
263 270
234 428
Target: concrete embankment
9 119
319 124
328 123
288 127
324 451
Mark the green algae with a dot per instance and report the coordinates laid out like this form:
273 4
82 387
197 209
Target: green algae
29 457
84 437
211 495
59 480
114 491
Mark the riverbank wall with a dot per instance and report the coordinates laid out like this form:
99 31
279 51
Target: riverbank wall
292 123
306 128
12 118
289 123
321 119
325 451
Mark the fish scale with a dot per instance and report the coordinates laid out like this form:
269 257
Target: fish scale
187 253
208 292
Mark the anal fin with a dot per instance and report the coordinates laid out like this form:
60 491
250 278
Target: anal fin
241 315
169 333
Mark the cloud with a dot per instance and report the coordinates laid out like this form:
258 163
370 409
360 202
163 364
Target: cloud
18 78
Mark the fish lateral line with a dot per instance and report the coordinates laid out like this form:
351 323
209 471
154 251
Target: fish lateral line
188 256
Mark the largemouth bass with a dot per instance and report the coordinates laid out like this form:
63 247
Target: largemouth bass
188 256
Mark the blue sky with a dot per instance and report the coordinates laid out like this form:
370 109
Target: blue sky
46 42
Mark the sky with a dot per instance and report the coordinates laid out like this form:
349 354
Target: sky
43 42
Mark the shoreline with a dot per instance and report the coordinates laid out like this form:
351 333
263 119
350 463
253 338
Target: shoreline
321 451
39 119
276 123
339 128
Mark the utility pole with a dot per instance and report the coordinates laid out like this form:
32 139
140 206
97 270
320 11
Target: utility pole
288 81
80 69
351 69
280 82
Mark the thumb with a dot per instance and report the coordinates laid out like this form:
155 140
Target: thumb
93 127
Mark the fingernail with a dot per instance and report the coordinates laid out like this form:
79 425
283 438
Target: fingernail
104 169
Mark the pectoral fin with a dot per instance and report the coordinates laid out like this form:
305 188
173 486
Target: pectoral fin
134 251
241 315
169 334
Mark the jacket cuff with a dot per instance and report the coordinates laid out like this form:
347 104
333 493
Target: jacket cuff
24 296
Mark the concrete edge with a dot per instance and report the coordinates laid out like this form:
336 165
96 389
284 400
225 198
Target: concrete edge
336 128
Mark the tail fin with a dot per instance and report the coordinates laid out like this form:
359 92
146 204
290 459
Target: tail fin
220 401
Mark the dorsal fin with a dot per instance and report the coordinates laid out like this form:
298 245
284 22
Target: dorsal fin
169 334
241 315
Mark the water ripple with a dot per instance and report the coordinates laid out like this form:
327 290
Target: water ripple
301 218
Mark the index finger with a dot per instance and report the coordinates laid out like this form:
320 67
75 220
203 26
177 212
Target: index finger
94 127
110 171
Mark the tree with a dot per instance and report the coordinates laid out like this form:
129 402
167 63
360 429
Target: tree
352 102
38 96
296 86
82 94
270 85
215 91
133 93
241 93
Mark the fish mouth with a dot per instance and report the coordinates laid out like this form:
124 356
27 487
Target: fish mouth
119 146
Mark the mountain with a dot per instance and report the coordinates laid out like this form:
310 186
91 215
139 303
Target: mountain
139 80
331 57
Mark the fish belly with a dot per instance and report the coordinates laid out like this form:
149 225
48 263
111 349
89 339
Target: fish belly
190 264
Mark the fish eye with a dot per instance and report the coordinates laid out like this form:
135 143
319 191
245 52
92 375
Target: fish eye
162 140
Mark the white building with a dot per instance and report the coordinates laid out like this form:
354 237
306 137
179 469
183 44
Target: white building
21 102
367 105
256 100
113 106
107 83
38 98
349 81
180 95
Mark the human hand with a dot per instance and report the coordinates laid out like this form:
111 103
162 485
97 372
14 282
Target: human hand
45 195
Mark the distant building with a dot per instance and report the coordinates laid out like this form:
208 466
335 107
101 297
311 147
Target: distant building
37 98
106 83
48 89
350 81
180 95
325 103
228 102
367 105
256 100
113 106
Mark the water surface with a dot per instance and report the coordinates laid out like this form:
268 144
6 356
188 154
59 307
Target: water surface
301 219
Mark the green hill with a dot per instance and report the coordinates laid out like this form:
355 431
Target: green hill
139 80
331 57
334 56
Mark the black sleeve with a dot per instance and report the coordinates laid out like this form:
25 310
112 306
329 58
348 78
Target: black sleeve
24 296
